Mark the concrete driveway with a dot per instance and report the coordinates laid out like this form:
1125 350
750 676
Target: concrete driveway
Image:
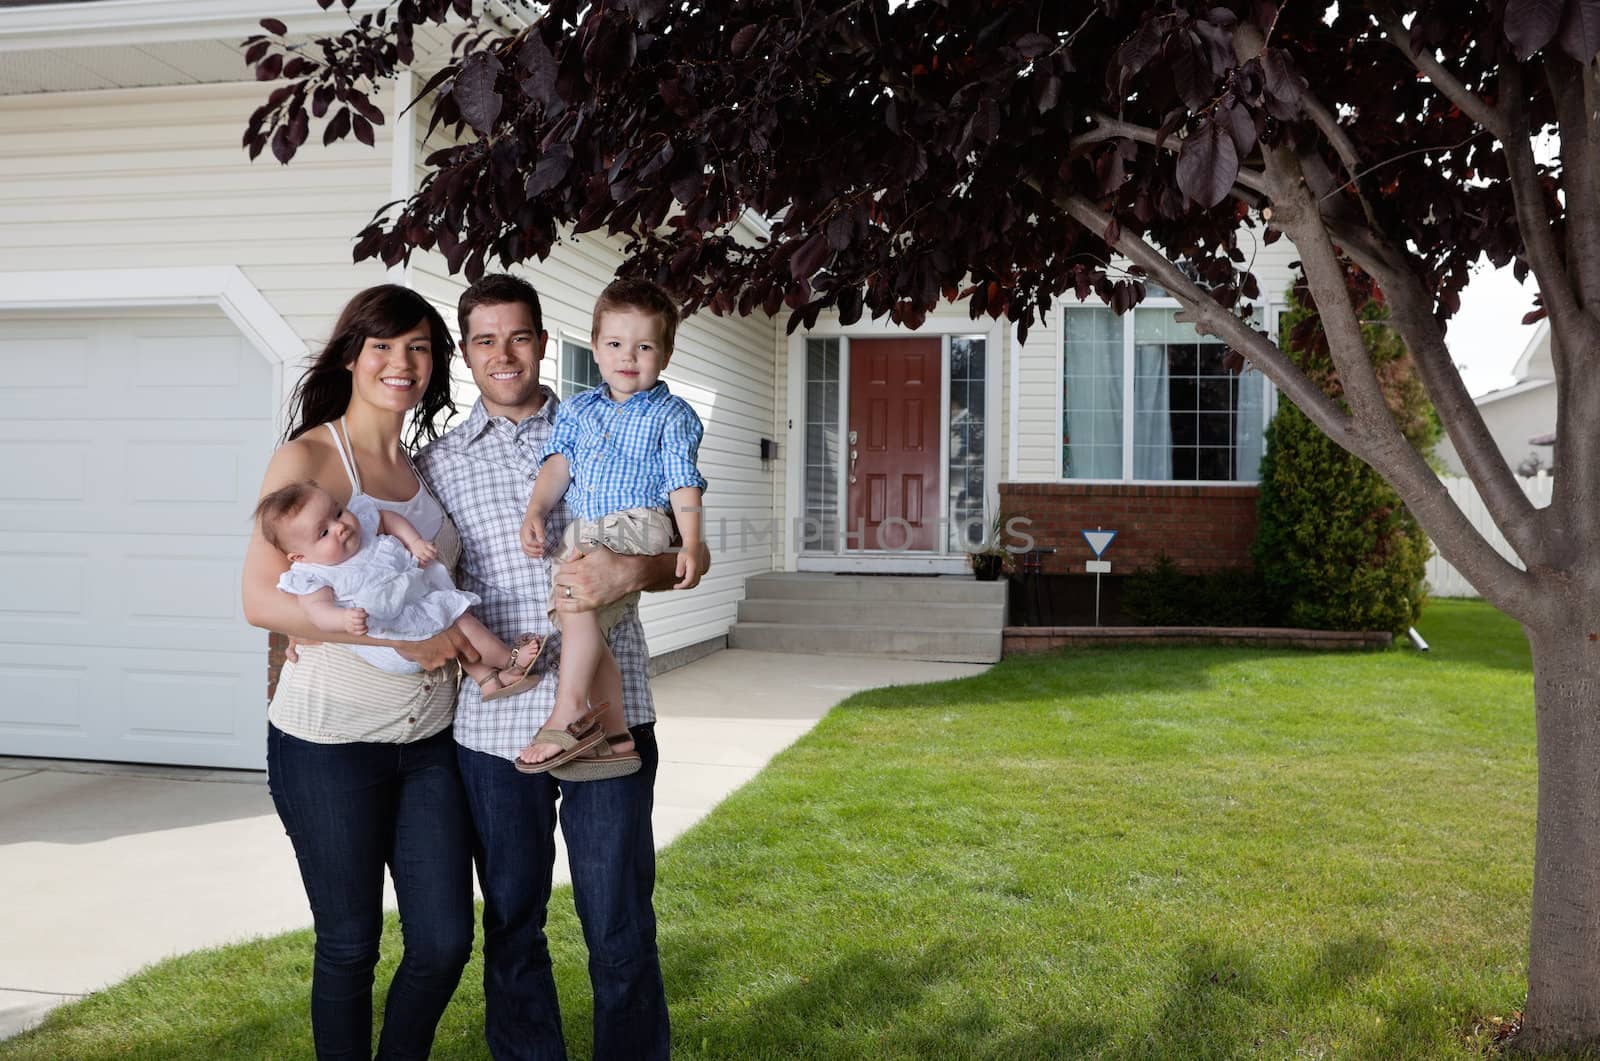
106 868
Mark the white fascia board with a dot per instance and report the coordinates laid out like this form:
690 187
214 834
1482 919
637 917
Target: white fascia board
1541 337
113 22
1512 391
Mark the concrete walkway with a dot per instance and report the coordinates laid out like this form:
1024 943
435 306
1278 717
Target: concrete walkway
106 868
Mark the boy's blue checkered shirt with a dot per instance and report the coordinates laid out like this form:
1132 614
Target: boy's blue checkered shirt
631 455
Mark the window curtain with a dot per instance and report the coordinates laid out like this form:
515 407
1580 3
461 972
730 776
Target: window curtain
1152 414
1093 395
1247 426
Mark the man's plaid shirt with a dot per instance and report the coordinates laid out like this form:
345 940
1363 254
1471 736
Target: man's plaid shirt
482 471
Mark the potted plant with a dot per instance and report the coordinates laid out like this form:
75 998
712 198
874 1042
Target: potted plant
988 558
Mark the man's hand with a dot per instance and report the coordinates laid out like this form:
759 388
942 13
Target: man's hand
450 643
593 580
689 570
292 653
355 621
424 551
533 533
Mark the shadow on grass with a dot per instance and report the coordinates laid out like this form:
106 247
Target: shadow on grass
868 1003
1213 1008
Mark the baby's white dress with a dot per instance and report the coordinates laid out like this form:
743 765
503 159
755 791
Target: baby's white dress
403 601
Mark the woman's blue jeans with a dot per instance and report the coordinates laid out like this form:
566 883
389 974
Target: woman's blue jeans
351 809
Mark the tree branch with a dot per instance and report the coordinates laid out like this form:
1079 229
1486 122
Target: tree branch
1544 257
1411 312
1573 88
1473 105
1508 587
1215 319
1109 128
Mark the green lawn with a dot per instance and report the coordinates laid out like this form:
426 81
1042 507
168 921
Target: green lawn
1146 852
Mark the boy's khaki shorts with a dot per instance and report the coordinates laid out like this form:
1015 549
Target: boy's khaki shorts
631 532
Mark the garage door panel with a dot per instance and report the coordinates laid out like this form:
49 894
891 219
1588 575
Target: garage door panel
164 708
129 464
42 584
44 472
44 700
34 363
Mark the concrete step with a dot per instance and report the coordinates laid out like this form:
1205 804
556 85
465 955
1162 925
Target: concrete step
805 585
906 642
979 618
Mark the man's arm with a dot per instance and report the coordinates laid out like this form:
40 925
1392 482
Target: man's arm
598 578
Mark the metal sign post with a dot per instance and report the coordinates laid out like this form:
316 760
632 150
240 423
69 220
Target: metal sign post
1098 540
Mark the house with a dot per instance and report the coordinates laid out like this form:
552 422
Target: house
159 293
1522 417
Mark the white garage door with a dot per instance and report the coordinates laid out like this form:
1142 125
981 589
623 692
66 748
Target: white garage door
131 449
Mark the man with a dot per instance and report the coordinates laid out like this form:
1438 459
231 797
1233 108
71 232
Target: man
483 471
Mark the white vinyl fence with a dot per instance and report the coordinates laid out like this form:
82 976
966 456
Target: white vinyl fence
1446 581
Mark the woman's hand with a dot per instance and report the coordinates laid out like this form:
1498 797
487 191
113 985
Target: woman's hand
439 649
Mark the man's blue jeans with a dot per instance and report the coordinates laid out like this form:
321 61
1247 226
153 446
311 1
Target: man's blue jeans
611 849
350 809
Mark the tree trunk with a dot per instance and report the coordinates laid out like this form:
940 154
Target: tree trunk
1564 945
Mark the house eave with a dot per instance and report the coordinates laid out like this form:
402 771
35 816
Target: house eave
1522 387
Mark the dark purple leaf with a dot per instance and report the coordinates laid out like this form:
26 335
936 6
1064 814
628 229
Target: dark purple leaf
1033 45
282 149
1580 30
474 91
253 54
1191 70
363 130
1240 125
338 126
534 57
550 171
1284 86
1530 24
811 256
272 25
269 68
744 40
1208 163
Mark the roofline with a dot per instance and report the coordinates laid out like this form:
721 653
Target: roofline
113 22
1522 386
1540 334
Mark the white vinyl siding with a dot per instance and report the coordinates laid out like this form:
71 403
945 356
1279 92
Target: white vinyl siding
155 177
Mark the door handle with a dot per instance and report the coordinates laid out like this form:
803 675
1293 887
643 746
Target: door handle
853 455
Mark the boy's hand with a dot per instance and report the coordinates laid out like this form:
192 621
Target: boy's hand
355 621
688 567
533 533
424 551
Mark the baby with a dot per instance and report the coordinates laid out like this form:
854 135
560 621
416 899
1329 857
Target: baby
364 570
627 449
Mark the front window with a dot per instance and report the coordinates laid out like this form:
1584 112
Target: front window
579 372
1187 418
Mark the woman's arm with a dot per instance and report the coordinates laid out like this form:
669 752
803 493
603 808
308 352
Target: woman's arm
268 607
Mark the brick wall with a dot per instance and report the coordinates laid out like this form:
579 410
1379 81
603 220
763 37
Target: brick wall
1202 528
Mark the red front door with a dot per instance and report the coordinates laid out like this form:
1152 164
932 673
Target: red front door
894 444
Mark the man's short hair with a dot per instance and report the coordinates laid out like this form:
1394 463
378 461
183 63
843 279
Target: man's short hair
644 296
280 506
498 289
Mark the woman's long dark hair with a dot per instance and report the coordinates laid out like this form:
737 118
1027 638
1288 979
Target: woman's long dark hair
381 312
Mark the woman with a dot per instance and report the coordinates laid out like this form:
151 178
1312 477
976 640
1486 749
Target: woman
361 763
